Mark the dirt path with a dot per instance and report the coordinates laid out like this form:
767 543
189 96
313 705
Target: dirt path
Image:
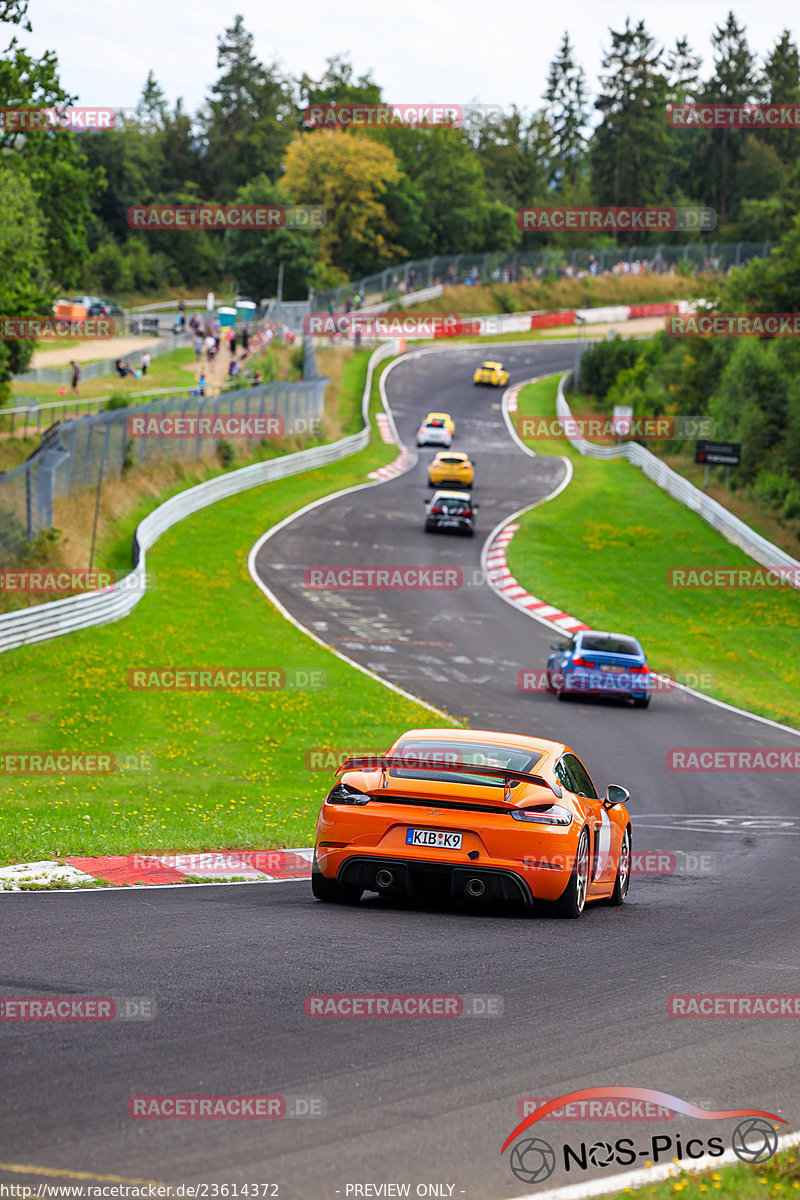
91 350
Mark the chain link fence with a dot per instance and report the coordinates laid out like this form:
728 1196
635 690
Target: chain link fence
508 267
77 454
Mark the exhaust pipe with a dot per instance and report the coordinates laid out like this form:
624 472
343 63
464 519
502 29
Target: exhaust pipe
384 879
476 887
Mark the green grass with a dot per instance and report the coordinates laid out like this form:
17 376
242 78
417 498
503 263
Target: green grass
780 1176
601 552
229 766
170 370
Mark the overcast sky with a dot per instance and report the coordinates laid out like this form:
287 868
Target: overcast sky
436 51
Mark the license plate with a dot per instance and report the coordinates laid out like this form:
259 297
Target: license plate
607 667
433 837
450 524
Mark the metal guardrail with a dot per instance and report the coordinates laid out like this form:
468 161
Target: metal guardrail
60 408
45 621
730 526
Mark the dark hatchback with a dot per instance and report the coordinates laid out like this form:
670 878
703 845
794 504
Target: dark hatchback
453 512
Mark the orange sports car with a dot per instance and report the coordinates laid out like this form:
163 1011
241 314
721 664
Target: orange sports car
474 815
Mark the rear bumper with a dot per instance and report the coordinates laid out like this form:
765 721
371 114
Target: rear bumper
420 878
602 683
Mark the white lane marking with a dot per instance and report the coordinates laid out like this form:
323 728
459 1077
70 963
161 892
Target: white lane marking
270 533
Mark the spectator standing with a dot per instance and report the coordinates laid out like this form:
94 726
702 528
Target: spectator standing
245 336
211 347
198 346
201 383
145 362
76 376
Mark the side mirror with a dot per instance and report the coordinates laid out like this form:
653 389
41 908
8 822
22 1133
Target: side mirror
616 794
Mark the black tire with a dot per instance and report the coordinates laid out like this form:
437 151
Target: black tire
622 882
331 892
641 701
573 902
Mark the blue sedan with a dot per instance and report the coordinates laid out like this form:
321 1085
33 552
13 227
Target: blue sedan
599 664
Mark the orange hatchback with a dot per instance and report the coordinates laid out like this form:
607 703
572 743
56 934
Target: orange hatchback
475 816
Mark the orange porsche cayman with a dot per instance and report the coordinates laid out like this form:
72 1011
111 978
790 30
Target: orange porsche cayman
477 816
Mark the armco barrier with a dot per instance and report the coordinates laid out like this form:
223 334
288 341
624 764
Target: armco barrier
44 621
731 527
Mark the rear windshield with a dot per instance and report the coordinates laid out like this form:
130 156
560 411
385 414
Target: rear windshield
453 504
437 424
612 645
475 754
449 458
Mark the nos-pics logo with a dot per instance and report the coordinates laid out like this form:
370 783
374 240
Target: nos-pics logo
533 1159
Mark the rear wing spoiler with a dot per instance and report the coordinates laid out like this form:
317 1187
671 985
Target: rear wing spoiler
411 763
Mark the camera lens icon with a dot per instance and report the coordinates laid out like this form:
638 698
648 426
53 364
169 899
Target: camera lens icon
533 1160
754 1140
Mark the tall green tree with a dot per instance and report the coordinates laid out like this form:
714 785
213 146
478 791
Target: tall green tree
568 113
51 160
249 118
630 148
338 85
734 81
780 84
25 287
253 257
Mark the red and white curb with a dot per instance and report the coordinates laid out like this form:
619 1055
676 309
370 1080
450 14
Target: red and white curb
404 460
512 398
207 866
385 428
500 577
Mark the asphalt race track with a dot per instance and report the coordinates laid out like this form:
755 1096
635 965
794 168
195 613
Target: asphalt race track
423 1101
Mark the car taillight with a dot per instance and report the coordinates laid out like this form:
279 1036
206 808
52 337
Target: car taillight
582 662
342 794
643 670
554 814
437 510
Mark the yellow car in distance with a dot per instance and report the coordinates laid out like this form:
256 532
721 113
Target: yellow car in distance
493 373
440 416
451 468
